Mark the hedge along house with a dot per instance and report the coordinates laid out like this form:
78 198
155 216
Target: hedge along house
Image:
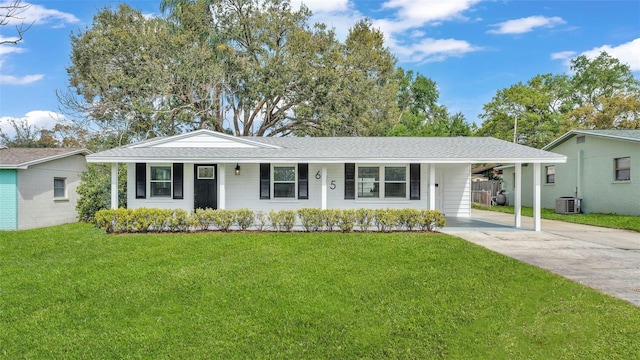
38 186
602 170
204 169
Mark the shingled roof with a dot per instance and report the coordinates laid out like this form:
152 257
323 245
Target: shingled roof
628 135
327 150
21 158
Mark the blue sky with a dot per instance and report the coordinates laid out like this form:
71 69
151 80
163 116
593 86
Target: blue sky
470 48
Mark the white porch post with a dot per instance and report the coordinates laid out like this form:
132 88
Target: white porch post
114 185
517 197
323 205
432 187
222 183
536 197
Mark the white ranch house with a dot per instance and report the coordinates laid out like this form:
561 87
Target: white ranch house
204 169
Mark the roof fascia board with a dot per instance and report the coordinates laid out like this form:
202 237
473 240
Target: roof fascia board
571 133
169 139
559 159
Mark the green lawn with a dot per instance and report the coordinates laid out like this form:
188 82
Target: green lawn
73 292
615 221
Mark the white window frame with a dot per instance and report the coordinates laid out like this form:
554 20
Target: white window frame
274 182
382 181
151 181
547 173
64 188
616 169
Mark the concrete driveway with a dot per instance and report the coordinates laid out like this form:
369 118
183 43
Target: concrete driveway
604 259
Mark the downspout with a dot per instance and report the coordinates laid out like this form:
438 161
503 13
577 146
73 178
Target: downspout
579 175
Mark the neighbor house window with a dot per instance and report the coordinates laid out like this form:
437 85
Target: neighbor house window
395 182
160 183
59 188
284 181
551 174
623 169
368 182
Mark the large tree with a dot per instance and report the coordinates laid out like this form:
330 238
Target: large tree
420 113
528 113
604 93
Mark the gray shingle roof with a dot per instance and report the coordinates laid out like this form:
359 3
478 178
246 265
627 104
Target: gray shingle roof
13 158
340 149
630 135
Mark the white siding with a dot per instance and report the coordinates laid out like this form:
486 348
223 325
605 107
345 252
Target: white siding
454 185
36 204
243 191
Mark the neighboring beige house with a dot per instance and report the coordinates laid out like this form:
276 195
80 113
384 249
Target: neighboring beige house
601 175
38 186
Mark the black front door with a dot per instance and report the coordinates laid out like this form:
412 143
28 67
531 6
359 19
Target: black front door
205 187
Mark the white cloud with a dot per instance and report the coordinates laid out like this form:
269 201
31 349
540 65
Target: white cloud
628 53
39 15
40 119
19 80
524 25
411 13
432 50
563 55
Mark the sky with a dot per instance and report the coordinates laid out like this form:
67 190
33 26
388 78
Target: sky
470 48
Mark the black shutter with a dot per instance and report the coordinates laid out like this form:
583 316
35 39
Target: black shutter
141 180
414 181
178 180
349 181
265 179
303 181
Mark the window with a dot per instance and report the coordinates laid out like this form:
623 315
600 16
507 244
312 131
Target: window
395 182
205 172
284 181
623 169
551 174
368 182
59 188
160 184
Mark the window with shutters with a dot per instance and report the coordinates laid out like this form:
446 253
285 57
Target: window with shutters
389 182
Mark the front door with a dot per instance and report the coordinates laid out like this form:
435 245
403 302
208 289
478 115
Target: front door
205 186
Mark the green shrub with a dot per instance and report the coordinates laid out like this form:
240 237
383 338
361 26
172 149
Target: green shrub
105 220
223 219
311 219
176 220
142 219
94 190
330 218
430 219
385 219
261 220
204 218
244 218
282 220
408 219
346 220
364 218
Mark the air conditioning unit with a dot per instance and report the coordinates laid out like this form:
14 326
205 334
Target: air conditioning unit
568 205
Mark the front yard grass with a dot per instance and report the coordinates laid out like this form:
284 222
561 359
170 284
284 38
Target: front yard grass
74 292
614 221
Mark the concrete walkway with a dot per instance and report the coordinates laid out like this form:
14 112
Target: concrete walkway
604 259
